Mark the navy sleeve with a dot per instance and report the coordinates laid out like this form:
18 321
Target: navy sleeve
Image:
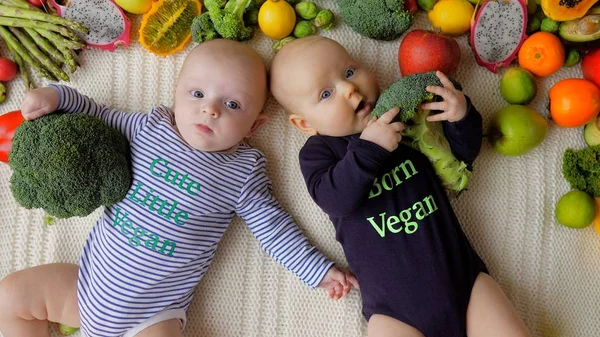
340 186
466 135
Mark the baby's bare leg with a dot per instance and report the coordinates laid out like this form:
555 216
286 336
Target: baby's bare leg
168 328
31 297
386 326
490 313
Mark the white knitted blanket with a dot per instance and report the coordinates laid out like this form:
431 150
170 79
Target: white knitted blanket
547 270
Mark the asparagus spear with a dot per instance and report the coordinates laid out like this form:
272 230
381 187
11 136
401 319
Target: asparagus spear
46 46
16 22
22 69
69 58
31 46
59 40
2 93
41 16
22 52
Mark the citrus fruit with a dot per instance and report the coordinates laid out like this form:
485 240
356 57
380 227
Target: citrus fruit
135 6
542 54
165 28
518 86
452 17
276 19
574 102
576 209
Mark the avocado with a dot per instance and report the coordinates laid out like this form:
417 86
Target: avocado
582 33
591 133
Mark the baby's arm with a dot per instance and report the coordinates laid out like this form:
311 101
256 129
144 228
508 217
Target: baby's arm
39 102
465 136
276 231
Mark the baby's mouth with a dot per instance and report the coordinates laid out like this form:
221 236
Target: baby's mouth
203 128
363 106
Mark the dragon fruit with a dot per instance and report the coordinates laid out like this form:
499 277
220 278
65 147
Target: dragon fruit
497 32
108 25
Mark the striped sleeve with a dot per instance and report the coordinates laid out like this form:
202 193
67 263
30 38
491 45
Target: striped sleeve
71 101
276 231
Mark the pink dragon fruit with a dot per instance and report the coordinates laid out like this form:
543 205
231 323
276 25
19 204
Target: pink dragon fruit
497 32
108 25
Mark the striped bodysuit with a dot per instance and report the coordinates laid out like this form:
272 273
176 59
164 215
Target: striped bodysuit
146 253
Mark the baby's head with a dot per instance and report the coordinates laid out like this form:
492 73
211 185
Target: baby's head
325 90
219 95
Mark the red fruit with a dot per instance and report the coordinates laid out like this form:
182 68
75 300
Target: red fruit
591 66
423 50
8 69
38 3
9 122
411 6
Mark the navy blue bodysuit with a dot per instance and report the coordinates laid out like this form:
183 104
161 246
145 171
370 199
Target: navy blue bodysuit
395 223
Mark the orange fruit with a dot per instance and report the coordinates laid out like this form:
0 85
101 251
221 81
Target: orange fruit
542 54
276 19
574 102
165 28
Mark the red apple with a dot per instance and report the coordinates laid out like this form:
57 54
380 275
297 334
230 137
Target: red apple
411 6
423 50
590 66
38 3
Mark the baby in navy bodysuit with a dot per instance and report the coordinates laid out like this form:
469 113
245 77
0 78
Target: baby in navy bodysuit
417 271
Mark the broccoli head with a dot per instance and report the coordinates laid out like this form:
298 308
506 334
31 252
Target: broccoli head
69 165
377 19
408 94
581 169
203 29
227 18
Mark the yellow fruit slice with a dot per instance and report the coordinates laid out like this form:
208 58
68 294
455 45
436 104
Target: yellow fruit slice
596 221
165 28
276 19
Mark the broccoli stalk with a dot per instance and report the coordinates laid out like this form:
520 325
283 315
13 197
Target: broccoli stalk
227 17
377 19
408 94
581 169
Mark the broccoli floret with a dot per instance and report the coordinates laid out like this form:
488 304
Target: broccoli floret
203 29
227 17
377 19
408 94
581 169
69 165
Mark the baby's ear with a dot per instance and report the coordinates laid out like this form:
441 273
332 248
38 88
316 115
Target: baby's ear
261 119
301 124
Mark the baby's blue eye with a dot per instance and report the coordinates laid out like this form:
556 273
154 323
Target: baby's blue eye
197 93
326 94
350 72
232 105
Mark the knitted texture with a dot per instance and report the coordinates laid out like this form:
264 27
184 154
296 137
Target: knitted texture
548 271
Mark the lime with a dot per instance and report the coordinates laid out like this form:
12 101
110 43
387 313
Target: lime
575 209
518 86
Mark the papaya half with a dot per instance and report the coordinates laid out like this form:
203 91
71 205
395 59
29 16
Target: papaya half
564 10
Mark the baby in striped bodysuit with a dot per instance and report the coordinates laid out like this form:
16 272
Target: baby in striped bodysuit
192 172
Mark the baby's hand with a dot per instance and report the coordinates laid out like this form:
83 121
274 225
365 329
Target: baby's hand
337 284
383 133
39 102
454 105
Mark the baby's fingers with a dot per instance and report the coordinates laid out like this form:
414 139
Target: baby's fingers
435 106
446 83
389 115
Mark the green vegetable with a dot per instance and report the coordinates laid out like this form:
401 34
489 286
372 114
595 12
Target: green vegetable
306 9
279 44
27 82
572 59
59 40
50 50
16 46
66 330
203 29
549 25
32 47
533 24
304 28
227 17
325 19
251 16
426 5
580 169
2 93
376 19
408 94
14 12
69 165
16 22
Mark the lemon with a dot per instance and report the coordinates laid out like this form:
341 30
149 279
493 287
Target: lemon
452 17
575 209
276 19
518 86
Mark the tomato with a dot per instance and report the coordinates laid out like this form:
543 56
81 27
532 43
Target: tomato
9 122
8 69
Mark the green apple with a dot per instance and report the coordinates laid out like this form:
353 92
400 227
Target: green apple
135 6
517 129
